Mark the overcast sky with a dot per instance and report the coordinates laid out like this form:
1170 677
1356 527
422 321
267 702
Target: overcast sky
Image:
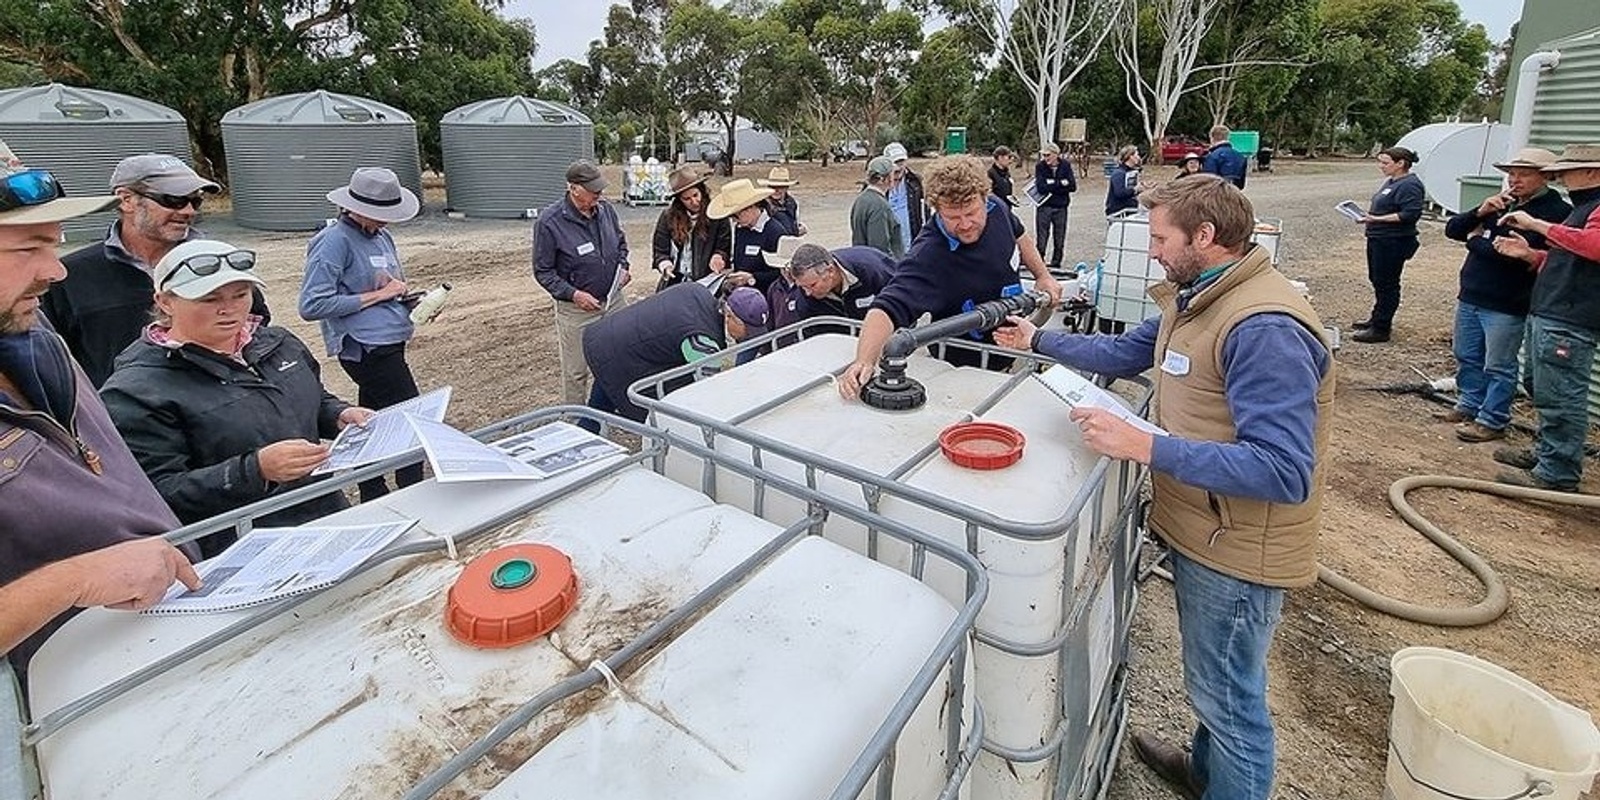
565 27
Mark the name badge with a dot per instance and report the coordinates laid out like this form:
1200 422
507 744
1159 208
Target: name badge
1175 363
586 248
378 262
752 249
865 302
1386 191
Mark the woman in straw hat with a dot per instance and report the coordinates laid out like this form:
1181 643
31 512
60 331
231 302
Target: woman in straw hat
781 206
754 234
688 245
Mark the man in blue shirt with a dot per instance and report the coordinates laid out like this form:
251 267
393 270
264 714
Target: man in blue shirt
959 260
1222 159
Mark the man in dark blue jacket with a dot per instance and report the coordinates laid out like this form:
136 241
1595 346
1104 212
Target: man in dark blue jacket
1122 190
1223 160
1054 182
841 283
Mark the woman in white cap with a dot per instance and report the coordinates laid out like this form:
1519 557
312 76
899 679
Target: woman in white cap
219 410
356 289
688 245
754 234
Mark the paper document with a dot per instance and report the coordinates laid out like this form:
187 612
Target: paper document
386 434
1079 392
1351 210
557 447
457 457
273 563
617 281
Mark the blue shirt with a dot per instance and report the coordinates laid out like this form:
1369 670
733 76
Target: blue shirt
342 263
900 207
941 275
1271 366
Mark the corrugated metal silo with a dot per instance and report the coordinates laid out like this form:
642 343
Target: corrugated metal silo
286 153
505 156
81 134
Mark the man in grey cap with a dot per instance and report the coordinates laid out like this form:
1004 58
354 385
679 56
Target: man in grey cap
872 221
105 302
580 256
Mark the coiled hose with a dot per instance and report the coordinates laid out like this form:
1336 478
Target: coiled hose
1495 599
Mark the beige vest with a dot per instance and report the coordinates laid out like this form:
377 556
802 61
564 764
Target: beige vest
1268 543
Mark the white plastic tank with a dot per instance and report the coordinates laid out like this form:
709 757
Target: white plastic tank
1449 151
1055 585
1127 271
771 693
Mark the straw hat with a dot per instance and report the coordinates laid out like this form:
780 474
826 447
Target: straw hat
1576 156
1528 158
776 177
376 193
779 259
735 196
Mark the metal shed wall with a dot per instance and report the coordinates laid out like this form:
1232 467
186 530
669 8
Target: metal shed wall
286 153
79 135
508 156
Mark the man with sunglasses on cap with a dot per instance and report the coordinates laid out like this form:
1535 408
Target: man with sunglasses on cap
68 484
105 302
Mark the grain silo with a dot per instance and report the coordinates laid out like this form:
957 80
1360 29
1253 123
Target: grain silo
79 135
506 156
286 153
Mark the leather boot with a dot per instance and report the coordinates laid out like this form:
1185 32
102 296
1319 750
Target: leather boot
1170 763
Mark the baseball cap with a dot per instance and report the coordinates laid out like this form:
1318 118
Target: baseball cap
162 174
34 196
750 306
587 175
895 151
880 166
198 267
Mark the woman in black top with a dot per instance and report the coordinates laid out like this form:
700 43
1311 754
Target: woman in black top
1391 223
687 244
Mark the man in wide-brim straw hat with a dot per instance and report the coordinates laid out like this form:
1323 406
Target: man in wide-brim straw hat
1492 305
754 233
355 288
1564 323
781 206
687 244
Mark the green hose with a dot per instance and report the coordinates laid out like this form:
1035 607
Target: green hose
1495 599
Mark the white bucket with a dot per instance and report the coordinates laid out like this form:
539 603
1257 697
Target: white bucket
1465 728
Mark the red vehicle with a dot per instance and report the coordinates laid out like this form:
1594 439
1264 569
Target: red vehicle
1176 146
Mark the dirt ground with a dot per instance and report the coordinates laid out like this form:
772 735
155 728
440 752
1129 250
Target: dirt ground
1330 677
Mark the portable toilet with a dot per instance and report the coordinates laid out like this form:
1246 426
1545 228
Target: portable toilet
955 140
286 153
507 157
79 135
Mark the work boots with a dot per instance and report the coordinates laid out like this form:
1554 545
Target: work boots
1169 762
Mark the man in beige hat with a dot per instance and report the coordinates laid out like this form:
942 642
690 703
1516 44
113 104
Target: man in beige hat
781 206
106 300
68 484
754 233
1492 304
687 244
1563 322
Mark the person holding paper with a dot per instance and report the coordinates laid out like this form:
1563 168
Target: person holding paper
580 256
219 410
1391 228
1244 385
688 245
754 233
131 575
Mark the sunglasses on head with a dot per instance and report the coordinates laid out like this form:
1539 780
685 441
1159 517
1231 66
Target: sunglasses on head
172 201
208 264
30 187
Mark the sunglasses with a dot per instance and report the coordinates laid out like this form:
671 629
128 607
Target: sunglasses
30 187
205 264
174 202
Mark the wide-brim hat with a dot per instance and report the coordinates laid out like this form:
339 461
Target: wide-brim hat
1528 158
1187 157
1576 156
778 177
198 286
779 259
376 193
735 196
683 179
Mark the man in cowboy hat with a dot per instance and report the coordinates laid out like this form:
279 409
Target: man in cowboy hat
1492 303
905 194
1564 323
872 222
781 206
754 233
105 301
688 245
355 288
580 256
68 484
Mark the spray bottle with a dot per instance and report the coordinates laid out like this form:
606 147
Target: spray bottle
430 305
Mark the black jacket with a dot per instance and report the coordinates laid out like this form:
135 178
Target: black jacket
653 335
1568 288
1055 185
104 304
195 420
786 214
715 237
1493 281
914 202
1000 180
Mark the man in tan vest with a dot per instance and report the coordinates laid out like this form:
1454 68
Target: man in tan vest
1244 387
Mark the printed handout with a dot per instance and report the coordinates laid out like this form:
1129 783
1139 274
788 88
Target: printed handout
386 434
1079 392
557 447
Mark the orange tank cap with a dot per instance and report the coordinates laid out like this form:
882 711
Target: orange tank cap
511 595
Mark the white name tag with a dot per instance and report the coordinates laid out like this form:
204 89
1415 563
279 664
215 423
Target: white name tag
586 248
865 302
1386 191
378 262
752 249
1175 363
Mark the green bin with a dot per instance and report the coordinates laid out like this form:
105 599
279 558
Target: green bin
1246 142
955 140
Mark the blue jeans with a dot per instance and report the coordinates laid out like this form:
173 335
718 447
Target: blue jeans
1486 344
1561 356
1226 625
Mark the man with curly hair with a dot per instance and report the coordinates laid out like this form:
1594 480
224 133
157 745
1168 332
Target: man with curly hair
962 258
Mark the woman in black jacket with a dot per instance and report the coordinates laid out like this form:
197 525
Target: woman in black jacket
1391 228
219 411
687 244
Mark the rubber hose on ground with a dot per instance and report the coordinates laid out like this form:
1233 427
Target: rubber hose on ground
1495 597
